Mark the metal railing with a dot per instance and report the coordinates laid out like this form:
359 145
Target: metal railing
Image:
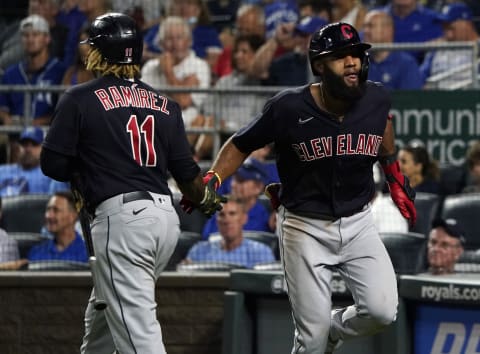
217 130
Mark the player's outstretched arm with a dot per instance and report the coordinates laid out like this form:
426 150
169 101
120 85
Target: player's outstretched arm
400 190
202 193
228 160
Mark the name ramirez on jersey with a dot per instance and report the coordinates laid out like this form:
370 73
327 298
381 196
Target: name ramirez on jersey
131 96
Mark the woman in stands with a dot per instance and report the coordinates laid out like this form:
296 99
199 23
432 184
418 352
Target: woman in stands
422 171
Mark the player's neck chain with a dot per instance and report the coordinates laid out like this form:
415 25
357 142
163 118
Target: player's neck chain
338 116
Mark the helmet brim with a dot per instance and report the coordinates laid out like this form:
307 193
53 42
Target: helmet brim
350 47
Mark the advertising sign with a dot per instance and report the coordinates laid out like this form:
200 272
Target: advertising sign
446 330
446 122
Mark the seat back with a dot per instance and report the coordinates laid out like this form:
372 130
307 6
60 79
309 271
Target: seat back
452 179
427 205
24 213
465 208
57 264
26 240
193 222
186 240
469 262
208 267
406 250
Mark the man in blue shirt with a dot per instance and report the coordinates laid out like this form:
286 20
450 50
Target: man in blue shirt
38 69
26 176
413 23
397 70
247 184
231 247
60 219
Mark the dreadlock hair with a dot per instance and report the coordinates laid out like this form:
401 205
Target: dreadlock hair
97 63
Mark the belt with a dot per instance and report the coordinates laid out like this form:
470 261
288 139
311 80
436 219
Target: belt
326 217
133 196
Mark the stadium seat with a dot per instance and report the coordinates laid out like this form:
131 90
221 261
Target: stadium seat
452 179
26 240
469 262
55 264
268 266
407 251
186 240
208 267
24 213
427 209
465 208
193 222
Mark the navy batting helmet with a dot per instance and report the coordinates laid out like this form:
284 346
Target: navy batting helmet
336 38
117 37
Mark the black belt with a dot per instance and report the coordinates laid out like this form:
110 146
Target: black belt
133 196
313 215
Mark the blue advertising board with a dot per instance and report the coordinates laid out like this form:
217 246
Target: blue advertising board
446 330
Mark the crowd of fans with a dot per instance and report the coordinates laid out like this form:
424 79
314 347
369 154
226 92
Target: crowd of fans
222 44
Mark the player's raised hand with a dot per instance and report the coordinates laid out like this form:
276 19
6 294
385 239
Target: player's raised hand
401 192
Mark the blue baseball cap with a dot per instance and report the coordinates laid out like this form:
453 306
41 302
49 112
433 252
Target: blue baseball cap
34 134
252 169
455 11
309 24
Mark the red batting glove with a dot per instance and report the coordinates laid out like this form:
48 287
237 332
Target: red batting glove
402 194
186 204
272 191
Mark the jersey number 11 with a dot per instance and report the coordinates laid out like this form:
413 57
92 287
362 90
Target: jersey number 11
147 129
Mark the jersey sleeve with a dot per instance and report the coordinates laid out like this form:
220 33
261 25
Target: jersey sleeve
259 132
64 131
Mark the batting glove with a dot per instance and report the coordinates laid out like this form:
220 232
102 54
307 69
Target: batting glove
401 192
212 201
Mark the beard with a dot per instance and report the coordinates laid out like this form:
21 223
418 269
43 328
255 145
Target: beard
338 89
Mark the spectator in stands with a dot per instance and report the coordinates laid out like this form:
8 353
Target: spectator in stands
9 252
38 69
247 184
397 70
70 16
62 43
205 39
278 12
178 66
422 171
94 8
445 246
413 23
233 110
60 219
386 215
320 8
348 11
77 73
473 165
458 26
292 68
26 175
250 20
232 247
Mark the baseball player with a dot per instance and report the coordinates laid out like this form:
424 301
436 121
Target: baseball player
327 137
120 137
